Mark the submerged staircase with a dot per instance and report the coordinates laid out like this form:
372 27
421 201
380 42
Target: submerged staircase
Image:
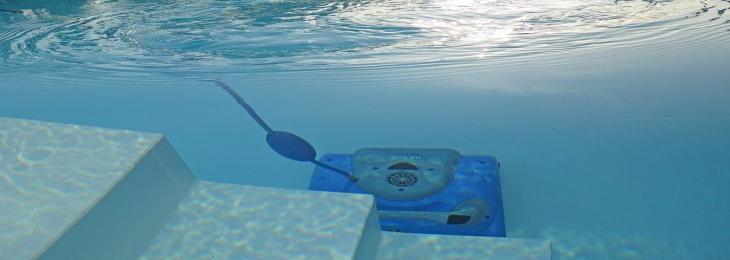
75 192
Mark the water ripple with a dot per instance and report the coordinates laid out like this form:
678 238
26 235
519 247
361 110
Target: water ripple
231 36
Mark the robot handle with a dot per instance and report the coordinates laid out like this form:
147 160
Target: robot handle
462 216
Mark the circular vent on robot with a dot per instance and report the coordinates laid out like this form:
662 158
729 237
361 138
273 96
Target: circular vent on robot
402 179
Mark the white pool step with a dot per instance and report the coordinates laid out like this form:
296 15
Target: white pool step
126 220
424 246
71 192
225 221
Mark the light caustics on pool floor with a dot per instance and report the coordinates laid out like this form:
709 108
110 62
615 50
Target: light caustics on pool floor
49 174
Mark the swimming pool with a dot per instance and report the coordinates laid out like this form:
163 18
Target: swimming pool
610 118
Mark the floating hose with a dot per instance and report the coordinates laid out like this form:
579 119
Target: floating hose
284 143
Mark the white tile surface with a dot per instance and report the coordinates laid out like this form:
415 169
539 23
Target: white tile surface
224 221
423 246
123 223
51 174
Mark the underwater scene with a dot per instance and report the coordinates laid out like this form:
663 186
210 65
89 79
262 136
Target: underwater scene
609 120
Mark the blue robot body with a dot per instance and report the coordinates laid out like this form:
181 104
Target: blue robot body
435 191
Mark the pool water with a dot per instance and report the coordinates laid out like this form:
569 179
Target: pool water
610 118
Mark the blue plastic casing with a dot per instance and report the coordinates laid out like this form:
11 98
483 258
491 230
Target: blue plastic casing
476 178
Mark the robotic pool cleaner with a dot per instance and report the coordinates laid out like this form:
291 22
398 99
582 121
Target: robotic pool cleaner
435 191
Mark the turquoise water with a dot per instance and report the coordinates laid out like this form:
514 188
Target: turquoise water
611 119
